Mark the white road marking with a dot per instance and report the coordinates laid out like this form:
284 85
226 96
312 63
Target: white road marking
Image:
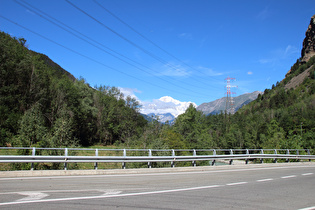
63 191
287 177
264 180
111 192
307 174
308 208
110 196
236 183
31 196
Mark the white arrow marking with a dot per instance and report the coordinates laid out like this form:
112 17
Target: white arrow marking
31 196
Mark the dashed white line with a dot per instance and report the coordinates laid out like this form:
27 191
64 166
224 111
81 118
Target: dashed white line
264 180
308 208
236 183
307 174
288 177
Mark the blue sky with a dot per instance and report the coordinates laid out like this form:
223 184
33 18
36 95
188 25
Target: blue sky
179 48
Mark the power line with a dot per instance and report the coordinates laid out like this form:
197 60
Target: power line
87 57
127 40
147 39
75 31
32 9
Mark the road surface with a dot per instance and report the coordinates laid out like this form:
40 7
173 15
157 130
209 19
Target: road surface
263 186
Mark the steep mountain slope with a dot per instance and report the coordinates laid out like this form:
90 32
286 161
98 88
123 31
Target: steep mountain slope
297 75
53 65
41 104
218 106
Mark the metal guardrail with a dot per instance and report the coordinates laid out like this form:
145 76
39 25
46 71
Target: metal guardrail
62 155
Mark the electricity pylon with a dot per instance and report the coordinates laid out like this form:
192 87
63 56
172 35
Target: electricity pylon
229 104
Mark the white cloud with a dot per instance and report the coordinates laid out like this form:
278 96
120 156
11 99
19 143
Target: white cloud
264 14
129 92
264 61
174 70
30 12
289 50
185 36
209 71
203 41
250 73
165 105
280 54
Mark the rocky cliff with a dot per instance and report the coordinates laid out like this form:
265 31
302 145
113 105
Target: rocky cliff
294 79
308 49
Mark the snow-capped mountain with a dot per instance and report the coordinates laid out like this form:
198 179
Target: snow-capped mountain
165 108
163 118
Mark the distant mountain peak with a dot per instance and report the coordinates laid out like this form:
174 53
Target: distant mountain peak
215 107
163 118
164 106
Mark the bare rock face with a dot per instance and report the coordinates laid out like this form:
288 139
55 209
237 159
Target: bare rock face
308 49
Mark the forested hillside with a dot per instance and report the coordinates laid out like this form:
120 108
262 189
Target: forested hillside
43 105
279 118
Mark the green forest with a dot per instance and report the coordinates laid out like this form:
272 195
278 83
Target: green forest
42 105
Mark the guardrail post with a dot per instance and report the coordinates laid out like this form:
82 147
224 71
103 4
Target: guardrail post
123 163
150 154
95 164
247 153
33 154
261 159
231 160
194 162
275 160
288 153
309 153
66 154
214 153
173 162
297 154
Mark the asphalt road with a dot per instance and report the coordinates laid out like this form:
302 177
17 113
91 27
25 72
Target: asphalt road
267 186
